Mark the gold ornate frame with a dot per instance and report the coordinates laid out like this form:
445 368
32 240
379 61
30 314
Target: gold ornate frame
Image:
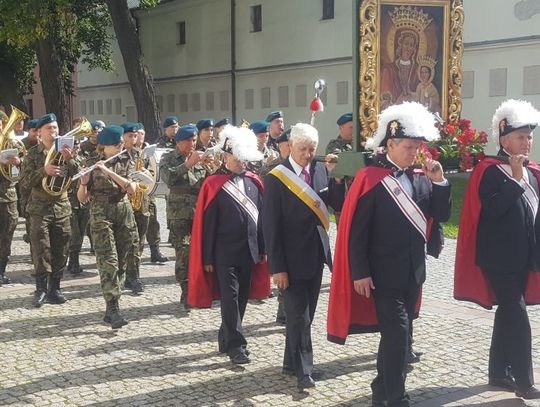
369 58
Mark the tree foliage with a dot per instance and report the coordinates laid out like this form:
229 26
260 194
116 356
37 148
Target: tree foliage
78 28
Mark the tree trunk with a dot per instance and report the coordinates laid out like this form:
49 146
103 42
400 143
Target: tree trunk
9 93
57 100
140 80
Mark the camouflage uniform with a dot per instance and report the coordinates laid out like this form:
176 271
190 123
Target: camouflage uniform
337 146
166 142
257 166
270 166
50 224
184 185
79 221
132 263
88 149
24 195
8 222
112 225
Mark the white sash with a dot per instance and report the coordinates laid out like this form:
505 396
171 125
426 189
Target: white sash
530 194
242 199
405 203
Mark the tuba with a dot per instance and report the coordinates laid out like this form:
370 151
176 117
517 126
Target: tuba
7 142
57 185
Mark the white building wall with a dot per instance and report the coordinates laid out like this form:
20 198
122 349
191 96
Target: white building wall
296 47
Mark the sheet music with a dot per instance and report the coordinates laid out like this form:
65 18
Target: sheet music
64 142
9 153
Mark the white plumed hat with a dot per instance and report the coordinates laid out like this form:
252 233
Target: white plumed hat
406 120
512 115
240 142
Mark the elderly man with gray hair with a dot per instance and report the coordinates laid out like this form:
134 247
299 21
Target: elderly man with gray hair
295 225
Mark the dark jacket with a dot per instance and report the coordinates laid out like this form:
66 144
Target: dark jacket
384 244
230 235
292 231
508 235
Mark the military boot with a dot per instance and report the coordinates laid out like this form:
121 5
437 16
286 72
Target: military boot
3 278
55 296
156 256
115 318
73 266
184 297
40 295
133 282
107 316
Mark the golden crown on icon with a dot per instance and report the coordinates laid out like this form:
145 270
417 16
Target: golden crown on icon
426 60
411 17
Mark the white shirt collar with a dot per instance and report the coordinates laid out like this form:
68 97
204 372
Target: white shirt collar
393 163
297 167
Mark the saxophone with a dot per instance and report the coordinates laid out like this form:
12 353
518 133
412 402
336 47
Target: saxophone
138 197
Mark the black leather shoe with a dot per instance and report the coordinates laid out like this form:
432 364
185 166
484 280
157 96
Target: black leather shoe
413 357
306 382
4 279
528 394
40 298
506 383
240 358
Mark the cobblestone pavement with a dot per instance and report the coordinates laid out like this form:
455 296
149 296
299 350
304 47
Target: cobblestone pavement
66 355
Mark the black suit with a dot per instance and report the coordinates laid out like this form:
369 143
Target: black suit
232 243
297 244
385 246
507 249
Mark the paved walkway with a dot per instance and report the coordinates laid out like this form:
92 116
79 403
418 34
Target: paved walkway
66 355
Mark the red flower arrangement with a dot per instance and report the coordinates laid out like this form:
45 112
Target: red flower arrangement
460 145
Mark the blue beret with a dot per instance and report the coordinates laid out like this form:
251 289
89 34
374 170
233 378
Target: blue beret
285 136
274 115
344 118
32 124
110 135
96 124
169 121
223 122
140 126
185 132
205 123
260 126
130 127
46 119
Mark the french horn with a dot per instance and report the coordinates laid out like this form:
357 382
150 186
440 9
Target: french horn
57 185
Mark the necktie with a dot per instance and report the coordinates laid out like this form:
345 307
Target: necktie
306 175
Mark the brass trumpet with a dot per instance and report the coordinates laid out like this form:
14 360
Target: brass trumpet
7 141
57 185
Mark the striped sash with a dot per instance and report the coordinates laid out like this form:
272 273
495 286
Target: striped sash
405 203
242 199
530 194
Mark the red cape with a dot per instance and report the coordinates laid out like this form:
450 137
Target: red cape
470 284
349 312
203 286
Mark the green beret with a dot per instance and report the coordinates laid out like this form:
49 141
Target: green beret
110 135
274 115
259 126
185 132
169 121
45 119
96 124
205 123
285 136
223 122
32 123
130 127
344 118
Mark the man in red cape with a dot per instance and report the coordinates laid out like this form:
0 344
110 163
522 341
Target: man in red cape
380 249
498 246
226 250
